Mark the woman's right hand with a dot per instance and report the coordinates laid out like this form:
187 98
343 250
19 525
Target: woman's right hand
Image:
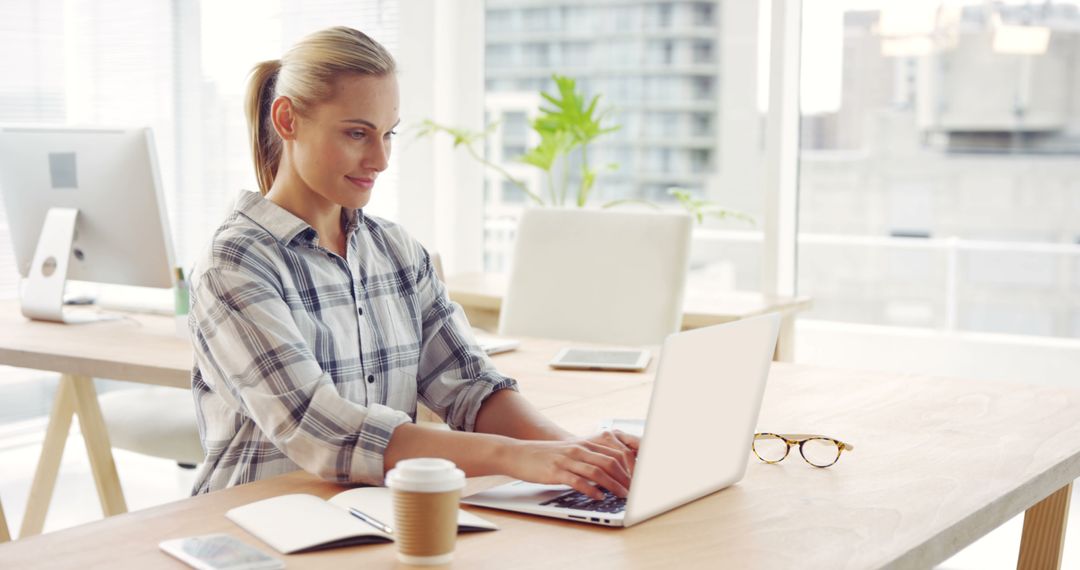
582 464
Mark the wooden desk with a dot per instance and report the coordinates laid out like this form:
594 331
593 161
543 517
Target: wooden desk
145 349
481 295
938 463
141 349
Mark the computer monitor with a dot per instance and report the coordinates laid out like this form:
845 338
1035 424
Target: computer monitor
83 204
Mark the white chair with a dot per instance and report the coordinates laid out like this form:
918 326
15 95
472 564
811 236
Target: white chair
597 276
155 421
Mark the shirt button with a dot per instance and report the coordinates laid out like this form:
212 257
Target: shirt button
360 310
371 378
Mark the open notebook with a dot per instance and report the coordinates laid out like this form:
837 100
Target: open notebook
299 523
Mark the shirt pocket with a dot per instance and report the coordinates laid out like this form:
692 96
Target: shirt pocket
398 331
397 324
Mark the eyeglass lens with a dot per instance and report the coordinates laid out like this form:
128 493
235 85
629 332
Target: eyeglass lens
770 448
820 452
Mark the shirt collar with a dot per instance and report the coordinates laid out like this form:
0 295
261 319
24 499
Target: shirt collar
283 224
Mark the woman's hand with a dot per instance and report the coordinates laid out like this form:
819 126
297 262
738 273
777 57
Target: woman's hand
605 459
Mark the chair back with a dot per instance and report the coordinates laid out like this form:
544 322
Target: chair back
597 276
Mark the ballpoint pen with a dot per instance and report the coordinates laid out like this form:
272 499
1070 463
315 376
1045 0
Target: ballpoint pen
370 520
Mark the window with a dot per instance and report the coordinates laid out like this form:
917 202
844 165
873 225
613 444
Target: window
664 15
670 133
703 13
575 54
535 55
939 166
537 19
703 52
179 67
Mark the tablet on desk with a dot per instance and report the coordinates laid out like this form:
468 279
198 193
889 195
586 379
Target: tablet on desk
634 359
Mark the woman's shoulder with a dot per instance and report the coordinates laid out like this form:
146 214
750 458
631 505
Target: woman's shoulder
237 245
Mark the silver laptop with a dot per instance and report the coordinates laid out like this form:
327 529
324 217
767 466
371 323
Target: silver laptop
708 388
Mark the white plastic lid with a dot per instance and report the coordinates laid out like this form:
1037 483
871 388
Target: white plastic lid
425 475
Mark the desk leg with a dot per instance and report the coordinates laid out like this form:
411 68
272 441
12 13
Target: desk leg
74 394
1043 539
785 341
52 450
5 535
96 436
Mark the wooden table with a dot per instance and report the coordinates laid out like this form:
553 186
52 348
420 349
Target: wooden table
141 349
481 295
938 463
145 349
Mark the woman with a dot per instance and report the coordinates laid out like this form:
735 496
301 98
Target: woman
317 328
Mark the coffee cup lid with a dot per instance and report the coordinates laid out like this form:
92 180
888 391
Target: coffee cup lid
425 475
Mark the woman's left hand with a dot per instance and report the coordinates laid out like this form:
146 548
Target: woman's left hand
617 444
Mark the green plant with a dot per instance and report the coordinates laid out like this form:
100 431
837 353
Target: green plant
566 123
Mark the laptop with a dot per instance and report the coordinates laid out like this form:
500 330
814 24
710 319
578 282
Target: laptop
708 388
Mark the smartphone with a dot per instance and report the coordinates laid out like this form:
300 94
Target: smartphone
601 359
219 552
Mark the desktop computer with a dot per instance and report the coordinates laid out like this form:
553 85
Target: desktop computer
83 204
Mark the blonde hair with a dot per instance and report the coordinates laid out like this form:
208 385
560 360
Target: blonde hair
306 75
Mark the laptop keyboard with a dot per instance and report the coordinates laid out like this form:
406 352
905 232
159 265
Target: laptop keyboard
582 502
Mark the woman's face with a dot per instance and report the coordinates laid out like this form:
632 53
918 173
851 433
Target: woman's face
343 144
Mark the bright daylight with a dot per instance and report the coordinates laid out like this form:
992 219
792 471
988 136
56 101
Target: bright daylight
756 284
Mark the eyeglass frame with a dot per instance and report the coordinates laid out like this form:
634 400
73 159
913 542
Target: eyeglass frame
793 439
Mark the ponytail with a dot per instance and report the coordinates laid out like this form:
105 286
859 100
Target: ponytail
265 144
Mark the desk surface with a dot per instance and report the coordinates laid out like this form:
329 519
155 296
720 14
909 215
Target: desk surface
140 348
485 291
145 349
938 463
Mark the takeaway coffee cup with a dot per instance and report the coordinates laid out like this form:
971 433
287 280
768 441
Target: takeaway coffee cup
426 493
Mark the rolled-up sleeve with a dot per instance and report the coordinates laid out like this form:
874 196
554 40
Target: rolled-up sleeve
455 375
254 356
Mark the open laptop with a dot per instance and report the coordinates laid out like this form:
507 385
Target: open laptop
700 426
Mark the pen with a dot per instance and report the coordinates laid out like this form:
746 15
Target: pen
370 520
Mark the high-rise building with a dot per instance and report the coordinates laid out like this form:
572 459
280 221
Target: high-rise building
655 65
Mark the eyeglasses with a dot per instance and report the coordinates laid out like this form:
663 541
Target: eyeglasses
817 450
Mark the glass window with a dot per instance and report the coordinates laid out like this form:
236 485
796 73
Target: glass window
702 51
536 19
664 15
670 133
499 55
500 21
939 166
576 54
535 55
178 67
702 13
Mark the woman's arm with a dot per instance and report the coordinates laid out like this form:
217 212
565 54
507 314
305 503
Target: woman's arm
508 413
580 464
523 444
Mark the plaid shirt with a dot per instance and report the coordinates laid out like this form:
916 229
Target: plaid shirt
307 360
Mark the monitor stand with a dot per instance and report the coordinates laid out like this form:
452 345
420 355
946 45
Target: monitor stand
43 290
